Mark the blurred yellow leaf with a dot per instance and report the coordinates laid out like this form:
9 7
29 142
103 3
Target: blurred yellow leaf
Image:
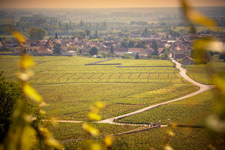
28 118
94 116
42 112
216 46
31 93
215 123
171 133
99 104
96 146
28 138
197 17
26 61
108 140
219 81
167 147
43 104
94 109
201 55
44 131
53 143
90 129
19 36
25 76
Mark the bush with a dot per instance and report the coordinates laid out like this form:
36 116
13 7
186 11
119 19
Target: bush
9 93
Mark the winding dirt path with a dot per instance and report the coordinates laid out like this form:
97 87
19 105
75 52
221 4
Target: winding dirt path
202 89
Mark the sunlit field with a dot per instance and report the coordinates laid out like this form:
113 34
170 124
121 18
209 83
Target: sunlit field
70 87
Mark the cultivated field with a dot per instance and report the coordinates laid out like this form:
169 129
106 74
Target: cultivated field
192 111
204 73
70 87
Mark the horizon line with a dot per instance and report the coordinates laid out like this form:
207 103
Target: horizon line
96 7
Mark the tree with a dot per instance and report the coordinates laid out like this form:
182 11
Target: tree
37 33
155 47
80 34
164 56
193 30
131 44
88 33
56 36
93 51
57 48
141 44
112 50
9 93
222 56
124 44
145 33
96 34
137 56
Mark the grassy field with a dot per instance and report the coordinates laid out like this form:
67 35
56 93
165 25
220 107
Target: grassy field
191 111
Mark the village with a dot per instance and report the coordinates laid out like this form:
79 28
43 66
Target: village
157 46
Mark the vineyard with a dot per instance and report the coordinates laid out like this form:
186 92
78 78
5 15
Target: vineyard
184 139
192 111
70 87
203 73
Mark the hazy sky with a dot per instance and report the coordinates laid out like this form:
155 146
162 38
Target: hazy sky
103 3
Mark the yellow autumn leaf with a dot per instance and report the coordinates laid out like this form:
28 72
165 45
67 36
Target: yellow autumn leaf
90 129
94 109
53 143
19 36
197 17
96 146
168 147
43 104
25 76
217 46
94 116
219 81
28 138
99 104
108 140
171 133
42 112
31 93
26 61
